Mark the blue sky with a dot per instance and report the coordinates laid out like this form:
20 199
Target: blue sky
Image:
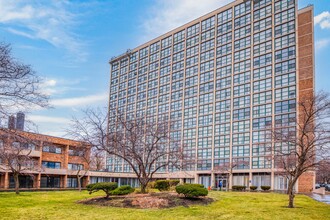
69 44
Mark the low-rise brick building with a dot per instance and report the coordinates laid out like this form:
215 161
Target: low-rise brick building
57 162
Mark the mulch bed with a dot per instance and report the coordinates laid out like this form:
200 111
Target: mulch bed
147 201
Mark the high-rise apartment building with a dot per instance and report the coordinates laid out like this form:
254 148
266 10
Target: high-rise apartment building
226 79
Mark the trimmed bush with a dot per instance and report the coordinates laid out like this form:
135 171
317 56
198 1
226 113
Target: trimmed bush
174 182
265 188
253 188
162 185
191 190
106 187
151 185
238 188
123 190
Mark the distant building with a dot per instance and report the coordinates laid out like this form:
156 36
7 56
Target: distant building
20 119
12 122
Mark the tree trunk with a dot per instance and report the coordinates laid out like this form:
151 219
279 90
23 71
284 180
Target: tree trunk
79 183
16 180
143 188
291 194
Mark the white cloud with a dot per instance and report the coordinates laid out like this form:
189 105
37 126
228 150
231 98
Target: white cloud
80 101
47 119
169 14
323 20
52 22
320 44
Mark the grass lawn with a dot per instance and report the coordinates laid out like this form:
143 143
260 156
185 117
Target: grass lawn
229 205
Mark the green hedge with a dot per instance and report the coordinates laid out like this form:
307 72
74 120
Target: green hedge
162 185
238 188
106 187
123 190
253 188
265 188
174 182
191 190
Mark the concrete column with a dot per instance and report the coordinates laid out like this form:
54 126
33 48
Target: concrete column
181 180
196 178
65 180
66 157
38 181
230 179
6 182
213 185
250 180
272 180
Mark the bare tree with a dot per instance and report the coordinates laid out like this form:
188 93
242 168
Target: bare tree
15 154
296 148
19 84
97 159
323 172
144 144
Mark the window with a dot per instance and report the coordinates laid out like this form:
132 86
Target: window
262 36
285 54
207 45
262 48
222 106
261 123
206 66
224 39
224 16
224 61
241 114
261 3
74 166
285 28
167 42
179 36
242 66
208 35
262 110
242 90
262 24
242 8
261 162
242 32
205 98
263 97
241 151
223 50
285 67
285 80
224 28
192 41
283 4
144 52
205 109
192 51
285 41
154 47
242 43
261 13
242 102
241 126
208 23
242 55
241 21
261 149
285 16
224 71
52 149
221 152
285 93
224 82
262 73
193 30
222 140
223 94
222 117
207 55
285 120
206 87
222 129
262 85
285 106
51 165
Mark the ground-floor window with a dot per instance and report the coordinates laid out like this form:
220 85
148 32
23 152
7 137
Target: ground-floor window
50 182
72 182
24 181
262 179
